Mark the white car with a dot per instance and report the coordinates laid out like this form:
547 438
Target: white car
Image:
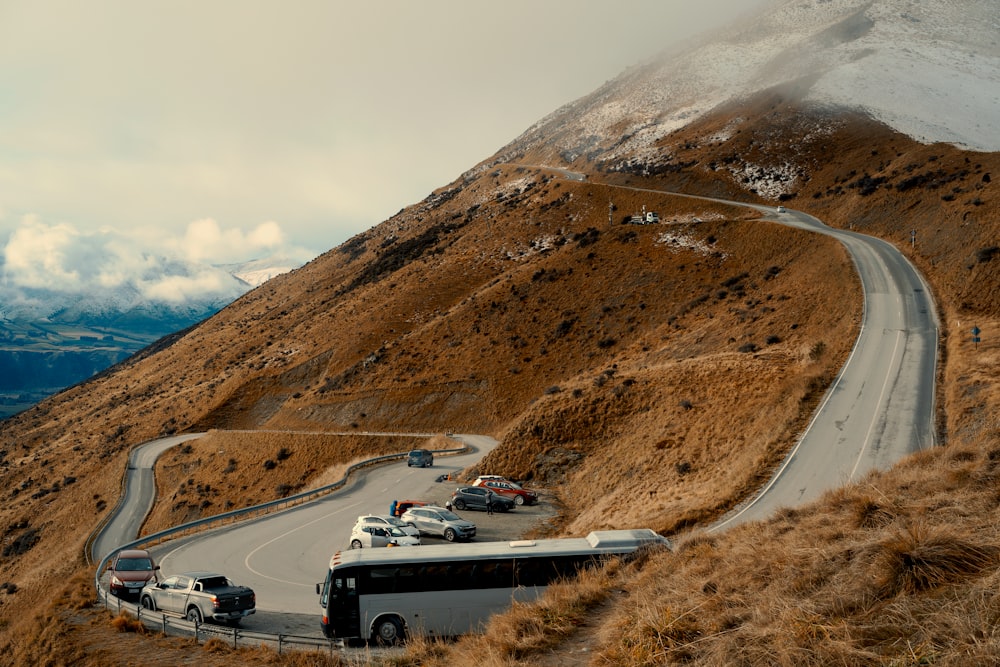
386 521
366 536
781 209
438 521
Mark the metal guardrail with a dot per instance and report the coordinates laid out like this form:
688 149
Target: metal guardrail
218 520
235 637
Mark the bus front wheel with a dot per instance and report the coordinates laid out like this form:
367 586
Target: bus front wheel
388 631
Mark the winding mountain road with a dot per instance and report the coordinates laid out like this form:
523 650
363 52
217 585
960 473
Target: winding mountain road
881 406
879 409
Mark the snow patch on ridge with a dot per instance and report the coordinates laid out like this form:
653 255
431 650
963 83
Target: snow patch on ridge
930 70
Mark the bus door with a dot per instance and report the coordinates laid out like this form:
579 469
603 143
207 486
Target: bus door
345 616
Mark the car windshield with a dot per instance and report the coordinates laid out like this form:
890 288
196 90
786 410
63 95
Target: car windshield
449 516
396 532
395 521
135 564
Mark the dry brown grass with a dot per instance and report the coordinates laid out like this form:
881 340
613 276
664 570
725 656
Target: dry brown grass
527 632
225 470
656 383
126 623
919 559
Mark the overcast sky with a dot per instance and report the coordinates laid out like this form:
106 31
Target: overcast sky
230 129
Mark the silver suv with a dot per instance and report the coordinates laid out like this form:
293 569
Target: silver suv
422 458
431 520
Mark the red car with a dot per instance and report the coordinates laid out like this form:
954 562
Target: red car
130 570
515 491
403 505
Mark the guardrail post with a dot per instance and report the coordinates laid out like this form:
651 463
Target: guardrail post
280 637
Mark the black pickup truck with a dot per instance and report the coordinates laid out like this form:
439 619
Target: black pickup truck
200 596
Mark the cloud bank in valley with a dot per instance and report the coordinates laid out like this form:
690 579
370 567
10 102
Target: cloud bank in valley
42 258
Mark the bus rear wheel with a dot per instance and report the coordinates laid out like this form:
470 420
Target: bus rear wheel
388 631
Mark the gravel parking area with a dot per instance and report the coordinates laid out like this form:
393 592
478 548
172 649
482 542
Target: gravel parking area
512 525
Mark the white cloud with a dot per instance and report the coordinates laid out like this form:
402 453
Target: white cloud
185 288
62 258
43 256
327 116
206 241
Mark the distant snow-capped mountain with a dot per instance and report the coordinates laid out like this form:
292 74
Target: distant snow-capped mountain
175 292
51 338
258 271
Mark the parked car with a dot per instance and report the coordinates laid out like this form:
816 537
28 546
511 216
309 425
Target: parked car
499 478
403 505
200 596
437 521
521 495
368 536
422 458
476 497
386 521
130 570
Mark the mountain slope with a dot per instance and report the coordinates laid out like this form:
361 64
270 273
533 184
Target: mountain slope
644 374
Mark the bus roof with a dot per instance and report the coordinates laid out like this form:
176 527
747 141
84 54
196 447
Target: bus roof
596 543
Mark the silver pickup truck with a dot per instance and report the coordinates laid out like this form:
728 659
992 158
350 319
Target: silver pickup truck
200 596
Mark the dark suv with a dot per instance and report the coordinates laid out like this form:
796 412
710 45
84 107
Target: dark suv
422 458
475 498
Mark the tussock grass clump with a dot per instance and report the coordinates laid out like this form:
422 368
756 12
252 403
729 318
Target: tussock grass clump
919 559
123 623
869 513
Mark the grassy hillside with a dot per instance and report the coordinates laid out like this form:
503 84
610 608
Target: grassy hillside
646 375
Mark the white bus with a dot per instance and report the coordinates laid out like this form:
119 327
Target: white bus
383 595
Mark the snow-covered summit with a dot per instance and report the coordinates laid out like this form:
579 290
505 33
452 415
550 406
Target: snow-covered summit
929 69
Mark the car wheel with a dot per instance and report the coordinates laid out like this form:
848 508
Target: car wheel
147 603
194 615
518 500
460 504
449 534
355 544
388 631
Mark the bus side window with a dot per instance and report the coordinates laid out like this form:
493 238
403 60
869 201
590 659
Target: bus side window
497 574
